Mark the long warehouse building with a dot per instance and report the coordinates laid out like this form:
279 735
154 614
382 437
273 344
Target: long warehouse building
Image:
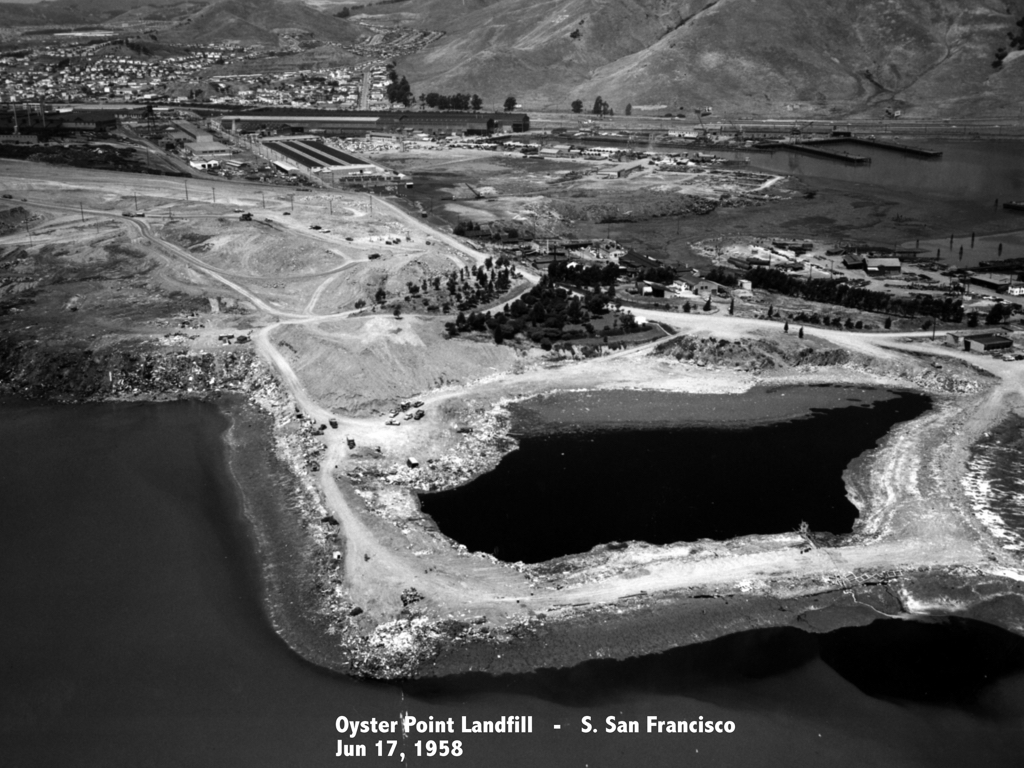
344 123
318 157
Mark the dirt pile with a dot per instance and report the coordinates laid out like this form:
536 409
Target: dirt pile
366 364
752 354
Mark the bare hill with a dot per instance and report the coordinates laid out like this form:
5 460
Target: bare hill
74 11
262 21
772 57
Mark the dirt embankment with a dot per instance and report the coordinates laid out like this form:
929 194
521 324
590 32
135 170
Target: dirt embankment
129 370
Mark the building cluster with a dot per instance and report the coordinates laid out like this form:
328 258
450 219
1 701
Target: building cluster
93 72
344 87
389 43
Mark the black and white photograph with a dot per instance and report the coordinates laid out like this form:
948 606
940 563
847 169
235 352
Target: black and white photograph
503 383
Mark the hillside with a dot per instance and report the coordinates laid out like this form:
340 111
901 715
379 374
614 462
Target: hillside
246 21
73 11
261 22
772 57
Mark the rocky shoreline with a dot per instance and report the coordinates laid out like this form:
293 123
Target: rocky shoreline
274 456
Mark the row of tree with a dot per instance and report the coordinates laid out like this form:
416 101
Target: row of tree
601 107
458 102
399 91
841 293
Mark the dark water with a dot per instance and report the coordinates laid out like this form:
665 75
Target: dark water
667 485
132 634
971 171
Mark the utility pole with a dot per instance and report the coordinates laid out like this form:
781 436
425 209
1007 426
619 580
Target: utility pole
214 190
186 190
136 196
81 208
264 196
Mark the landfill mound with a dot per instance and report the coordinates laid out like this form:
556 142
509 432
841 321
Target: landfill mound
363 365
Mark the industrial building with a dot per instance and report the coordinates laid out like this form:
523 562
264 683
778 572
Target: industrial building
314 156
355 123
979 342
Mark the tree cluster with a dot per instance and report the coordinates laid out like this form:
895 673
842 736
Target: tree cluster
723 277
464 289
458 102
660 274
843 294
602 107
584 276
543 314
398 90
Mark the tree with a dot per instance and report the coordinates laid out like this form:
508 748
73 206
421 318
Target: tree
499 337
599 106
707 305
800 333
888 323
476 103
344 13
510 103
995 315
629 110
577 106
785 327
732 306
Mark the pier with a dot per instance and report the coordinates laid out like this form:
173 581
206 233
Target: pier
804 149
905 149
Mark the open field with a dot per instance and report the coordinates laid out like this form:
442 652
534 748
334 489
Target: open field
190 272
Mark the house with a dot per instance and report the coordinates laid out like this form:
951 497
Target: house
707 289
1015 290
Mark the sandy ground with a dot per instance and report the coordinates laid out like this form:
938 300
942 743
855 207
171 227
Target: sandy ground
913 511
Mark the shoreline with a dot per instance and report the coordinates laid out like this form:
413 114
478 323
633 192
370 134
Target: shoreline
311 605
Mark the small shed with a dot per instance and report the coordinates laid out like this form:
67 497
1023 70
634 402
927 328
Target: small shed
649 288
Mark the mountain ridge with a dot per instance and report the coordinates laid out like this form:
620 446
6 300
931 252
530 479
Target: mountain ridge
778 57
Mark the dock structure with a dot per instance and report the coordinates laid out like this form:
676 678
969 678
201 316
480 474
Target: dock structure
803 148
894 146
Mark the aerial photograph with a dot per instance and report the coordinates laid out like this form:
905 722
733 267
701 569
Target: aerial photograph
450 382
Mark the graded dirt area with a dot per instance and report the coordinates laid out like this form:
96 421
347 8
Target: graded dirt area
548 196
390 596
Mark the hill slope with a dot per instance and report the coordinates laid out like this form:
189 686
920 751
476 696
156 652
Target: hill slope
774 57
261 21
